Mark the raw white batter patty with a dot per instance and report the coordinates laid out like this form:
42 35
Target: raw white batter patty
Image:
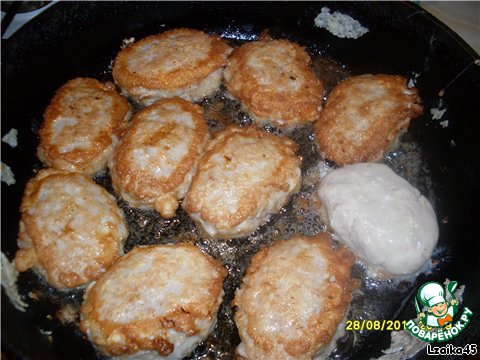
380 216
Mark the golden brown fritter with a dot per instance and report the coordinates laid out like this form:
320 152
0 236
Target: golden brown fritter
245 175
155 301
154 162
293 298
71 229
273 79
181 62
81 126
363 116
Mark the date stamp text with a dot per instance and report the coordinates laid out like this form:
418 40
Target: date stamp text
375 325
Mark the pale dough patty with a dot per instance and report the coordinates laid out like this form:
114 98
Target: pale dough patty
380 216
273 79
154 162
363 115
81 126
245 175
181 62
293 299
71 229
156 302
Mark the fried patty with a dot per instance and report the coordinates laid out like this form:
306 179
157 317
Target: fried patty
156 302
71 229
363 115
81 126
181 62
245 175
293 298
154 162
275 82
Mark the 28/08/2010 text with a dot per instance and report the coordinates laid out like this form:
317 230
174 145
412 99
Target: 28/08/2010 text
388 325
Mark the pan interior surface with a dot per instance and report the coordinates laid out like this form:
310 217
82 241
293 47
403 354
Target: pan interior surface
81 39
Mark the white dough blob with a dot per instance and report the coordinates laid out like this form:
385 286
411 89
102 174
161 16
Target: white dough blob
380 216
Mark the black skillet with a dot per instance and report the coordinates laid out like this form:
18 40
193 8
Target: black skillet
81 38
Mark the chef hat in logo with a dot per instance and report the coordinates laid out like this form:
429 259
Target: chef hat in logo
431 294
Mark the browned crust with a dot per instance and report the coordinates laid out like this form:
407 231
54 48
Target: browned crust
196 201
159 78
332 128
38 252
181 319
62 106
126 179
264 101
321 327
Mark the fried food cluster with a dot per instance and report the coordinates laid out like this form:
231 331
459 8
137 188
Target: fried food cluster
160 301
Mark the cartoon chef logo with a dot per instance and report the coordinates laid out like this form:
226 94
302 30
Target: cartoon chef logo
440 312
436 307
